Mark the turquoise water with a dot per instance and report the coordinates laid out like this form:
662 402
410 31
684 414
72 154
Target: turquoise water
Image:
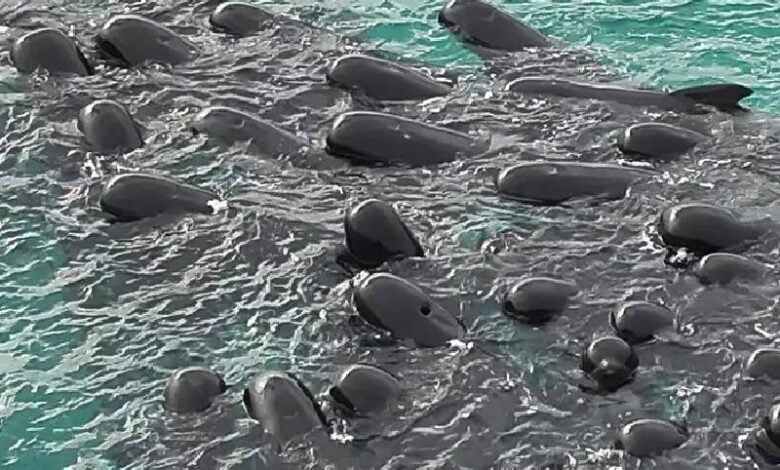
45 422
663 43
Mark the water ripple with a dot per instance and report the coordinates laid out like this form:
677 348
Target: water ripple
95 316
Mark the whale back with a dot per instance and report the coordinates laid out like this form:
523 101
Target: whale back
484 25
133 40
49 49
384 80
108 126
400 307
725 97
133 196
283 404
372 138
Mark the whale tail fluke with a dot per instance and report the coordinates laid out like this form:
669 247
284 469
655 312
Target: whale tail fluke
725 97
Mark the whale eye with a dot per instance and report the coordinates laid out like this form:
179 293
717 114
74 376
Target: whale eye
425 310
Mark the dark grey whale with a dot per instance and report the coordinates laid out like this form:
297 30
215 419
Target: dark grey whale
134 196
724 97
704 228
764 362
283 404
723 268
240 19
375 233
548 182
51 50
107 126
610 362
364 389
384 80
767 437
648 437
657 140
231 125
396 305
492 32
133 40
372 138
192 389
479 23
538 299
639 321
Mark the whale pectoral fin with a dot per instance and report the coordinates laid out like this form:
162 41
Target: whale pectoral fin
725 97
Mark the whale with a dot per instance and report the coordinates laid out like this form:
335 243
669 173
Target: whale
481 24
107 126
132 40
724 97
192 389
364 389
767 436
230 126
240 19
379 139
657 140
283 405
704 228
538 300
374 234
130 197
398 306
610 362
723 268
638 321
491 31
546 182
51 50
647 437
383 80
764 362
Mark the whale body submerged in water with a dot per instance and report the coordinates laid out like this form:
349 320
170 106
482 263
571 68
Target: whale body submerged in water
724 97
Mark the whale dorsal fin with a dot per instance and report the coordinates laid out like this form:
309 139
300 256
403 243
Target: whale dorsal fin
725 97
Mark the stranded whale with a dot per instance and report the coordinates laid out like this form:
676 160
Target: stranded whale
107 126
723 268
384 80
704 228
366 137
283 404
134 40
764 362
657 140
610 362
374 233
134 196
648 437
231 125
484 25
538 299
638 321
767 436
51 50
546 182
192 389
724 97
400 307
364 389
240 19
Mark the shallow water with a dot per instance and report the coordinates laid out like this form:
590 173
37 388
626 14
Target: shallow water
94 317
